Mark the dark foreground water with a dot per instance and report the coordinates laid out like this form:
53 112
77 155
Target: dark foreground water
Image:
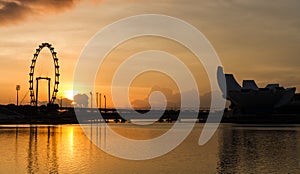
233 149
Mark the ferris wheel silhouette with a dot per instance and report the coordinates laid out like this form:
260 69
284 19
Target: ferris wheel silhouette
33 95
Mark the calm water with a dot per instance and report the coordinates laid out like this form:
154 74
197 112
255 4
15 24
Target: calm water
233 149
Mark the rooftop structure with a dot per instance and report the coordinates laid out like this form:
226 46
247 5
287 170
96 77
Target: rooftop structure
249 98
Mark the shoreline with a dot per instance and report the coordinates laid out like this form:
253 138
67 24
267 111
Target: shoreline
11 114
224 121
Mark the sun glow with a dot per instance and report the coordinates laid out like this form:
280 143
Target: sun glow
69 94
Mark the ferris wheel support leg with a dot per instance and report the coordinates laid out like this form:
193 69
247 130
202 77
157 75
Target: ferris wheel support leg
37 93
49 101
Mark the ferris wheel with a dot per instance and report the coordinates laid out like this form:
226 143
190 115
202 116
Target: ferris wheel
33 96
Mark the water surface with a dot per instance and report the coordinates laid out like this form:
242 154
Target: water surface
233 149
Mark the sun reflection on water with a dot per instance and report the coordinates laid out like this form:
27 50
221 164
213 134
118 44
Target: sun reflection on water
71 139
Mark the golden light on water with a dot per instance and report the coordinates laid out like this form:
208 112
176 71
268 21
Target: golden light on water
71 139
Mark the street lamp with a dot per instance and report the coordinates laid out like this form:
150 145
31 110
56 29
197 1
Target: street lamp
97 99
61 104
100 102
104 103
18 87
91 99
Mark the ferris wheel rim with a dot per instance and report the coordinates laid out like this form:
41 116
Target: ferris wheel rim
56 72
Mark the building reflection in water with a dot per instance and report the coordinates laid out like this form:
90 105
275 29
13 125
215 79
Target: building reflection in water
97 132
35 157
32 151
258 150
16 145
52 150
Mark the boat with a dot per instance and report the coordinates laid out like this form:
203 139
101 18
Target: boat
249 98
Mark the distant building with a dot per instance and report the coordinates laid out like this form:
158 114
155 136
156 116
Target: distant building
249 98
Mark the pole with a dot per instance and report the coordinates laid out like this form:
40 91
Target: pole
17 97
100 103
97 99
91 99
104 103
61 102
18 88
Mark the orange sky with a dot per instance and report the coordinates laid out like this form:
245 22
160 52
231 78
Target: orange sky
254 40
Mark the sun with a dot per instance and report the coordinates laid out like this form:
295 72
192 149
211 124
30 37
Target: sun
69 94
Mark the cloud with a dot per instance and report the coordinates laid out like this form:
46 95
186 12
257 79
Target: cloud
15 11
173 99
65 102
81 100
